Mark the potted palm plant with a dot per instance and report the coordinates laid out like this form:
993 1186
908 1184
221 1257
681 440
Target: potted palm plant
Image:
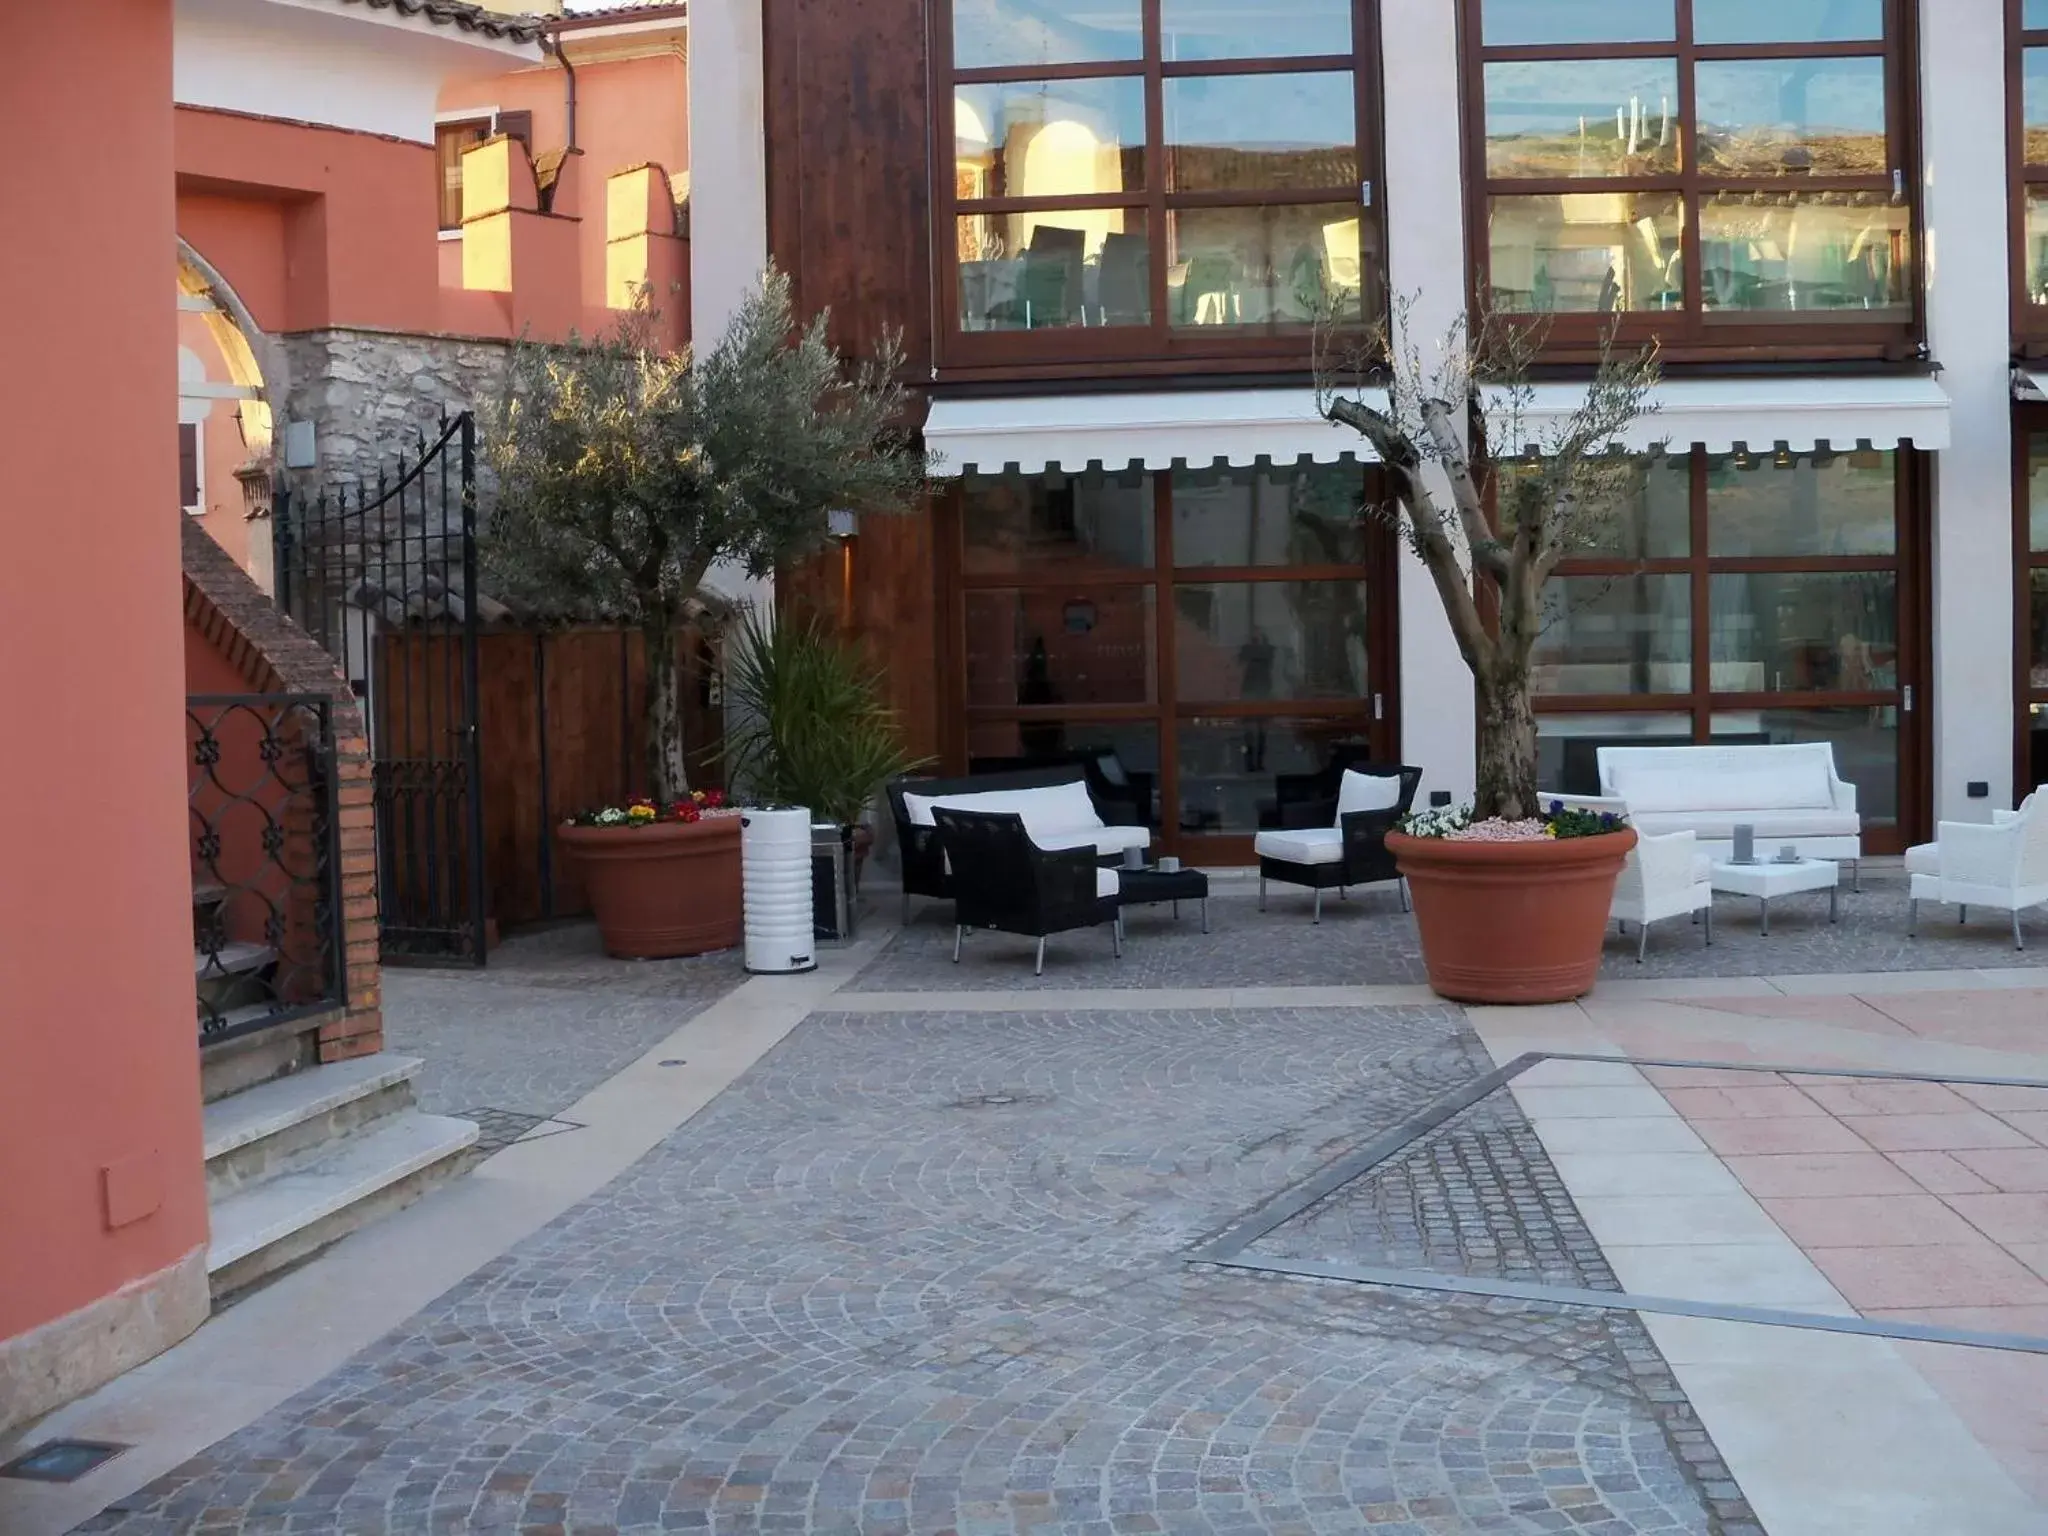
625 474
812 728
1512 892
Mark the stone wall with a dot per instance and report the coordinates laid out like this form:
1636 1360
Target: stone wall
371 394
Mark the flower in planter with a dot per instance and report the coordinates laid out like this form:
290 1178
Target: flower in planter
1559 821
703 805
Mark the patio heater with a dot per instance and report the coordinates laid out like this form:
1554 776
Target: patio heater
775 867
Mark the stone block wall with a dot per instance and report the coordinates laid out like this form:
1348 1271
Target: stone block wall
371 394
274 655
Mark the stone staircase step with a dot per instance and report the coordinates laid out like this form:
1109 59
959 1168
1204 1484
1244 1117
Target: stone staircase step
267 1226
269 1129
209 895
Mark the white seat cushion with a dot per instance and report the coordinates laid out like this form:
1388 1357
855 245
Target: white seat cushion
1304 845
1719 826
1106 841
1367 792
1107 884
1924 860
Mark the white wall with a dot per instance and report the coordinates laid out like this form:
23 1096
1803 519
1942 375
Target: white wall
728 194
1963 55
1423 199
350 67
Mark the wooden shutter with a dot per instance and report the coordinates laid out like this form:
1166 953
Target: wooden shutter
517 125
188 467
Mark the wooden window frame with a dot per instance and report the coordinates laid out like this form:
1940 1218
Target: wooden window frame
518 125
2030 419
1909 562
2029 321
1695 334
1158 347
1374 717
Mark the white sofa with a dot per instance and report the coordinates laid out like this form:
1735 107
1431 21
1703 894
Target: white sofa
1055 816
1789 792
2003 866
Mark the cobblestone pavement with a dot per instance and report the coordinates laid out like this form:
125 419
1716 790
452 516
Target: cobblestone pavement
922 1274
1368 941
545 1022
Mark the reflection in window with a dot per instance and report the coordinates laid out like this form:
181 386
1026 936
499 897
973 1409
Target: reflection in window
1805 251
1520 22
1078 645
1041 526
1656 524
1787 21
990 34
1612 635
1230 768
1280 265
1245 133
1054 268
2037 492
1582 117
2034 99
1792 117
1247 29
1269 640
1843 504
1806 631
1310 515
1035 138
2037 614
1568 746
1587 252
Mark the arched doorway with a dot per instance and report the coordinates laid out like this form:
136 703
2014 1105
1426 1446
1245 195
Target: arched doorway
227 413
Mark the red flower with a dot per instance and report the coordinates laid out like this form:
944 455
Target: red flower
714 798
687 812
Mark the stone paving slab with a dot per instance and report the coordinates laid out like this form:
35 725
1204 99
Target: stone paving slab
1369 941
546 1021
923 1273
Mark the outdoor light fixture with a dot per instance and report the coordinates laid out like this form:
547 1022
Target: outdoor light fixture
840 523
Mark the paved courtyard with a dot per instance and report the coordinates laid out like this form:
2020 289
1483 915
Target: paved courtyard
948 1252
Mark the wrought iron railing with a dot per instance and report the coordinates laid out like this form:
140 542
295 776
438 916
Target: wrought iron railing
267 941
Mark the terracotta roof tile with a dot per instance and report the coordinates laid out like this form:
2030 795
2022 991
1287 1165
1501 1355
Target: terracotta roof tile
465 17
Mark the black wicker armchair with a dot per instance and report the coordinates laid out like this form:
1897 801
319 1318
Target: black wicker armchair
1002 880
1319 847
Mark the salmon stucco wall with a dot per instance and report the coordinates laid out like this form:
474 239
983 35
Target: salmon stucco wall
104 1196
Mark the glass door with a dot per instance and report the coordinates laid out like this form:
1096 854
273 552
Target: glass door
2031 549
1192 636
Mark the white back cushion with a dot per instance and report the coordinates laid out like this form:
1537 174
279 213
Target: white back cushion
1367 792
1765 783
1054 808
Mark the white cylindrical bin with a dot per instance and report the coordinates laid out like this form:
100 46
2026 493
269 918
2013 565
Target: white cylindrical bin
775 864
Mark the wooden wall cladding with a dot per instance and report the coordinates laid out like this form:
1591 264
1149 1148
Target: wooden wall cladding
879 590
849 185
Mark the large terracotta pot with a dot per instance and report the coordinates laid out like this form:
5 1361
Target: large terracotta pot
662 891
1512 922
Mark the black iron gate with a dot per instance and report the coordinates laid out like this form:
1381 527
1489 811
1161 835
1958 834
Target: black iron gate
383 574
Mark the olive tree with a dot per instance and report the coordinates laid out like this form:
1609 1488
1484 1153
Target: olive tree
1492 496
626 473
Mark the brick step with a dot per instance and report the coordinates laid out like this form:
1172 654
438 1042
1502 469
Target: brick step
278 1126
269 1226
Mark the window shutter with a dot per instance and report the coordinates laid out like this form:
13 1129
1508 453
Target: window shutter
517 125
188 466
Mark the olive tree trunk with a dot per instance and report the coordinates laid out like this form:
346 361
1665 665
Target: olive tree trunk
668 776
1507 742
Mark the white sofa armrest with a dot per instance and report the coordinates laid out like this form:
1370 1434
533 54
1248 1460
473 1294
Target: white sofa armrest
2004 818
1972 853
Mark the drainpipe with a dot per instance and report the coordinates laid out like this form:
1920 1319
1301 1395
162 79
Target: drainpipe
551 42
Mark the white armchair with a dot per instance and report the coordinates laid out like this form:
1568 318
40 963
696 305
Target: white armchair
2003 865
1667 876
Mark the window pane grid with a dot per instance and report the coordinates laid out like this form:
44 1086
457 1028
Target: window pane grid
1753 182
1220 199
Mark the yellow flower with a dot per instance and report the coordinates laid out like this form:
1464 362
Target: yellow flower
1549 831
697 795
642 813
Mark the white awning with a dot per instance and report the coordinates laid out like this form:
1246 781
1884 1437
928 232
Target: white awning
1724 415
2030 384
1034 433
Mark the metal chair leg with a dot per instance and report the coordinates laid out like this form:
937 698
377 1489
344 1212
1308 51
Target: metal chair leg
1963 915
1116 937
1856 875
1642 941
1709 923
1913 918
959 933
1205 914
2019 939
1262 893
1039 969
1405 907
1343 893
1319 904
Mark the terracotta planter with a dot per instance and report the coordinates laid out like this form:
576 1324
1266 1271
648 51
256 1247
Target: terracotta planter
662 891
1512 922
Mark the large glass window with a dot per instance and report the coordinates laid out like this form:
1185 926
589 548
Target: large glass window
2033 613
1716 173
1751 597
1214 630
2030 168
1146 176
